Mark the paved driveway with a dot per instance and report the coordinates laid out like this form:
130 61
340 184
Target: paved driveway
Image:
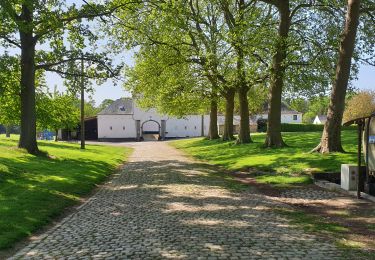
165 206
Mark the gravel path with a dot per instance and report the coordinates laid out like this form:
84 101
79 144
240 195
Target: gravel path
165 206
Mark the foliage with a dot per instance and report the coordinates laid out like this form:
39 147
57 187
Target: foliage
316 106
40 30
64 114
35 191
299 104
9 90
10 99
293 159
307 128
360 105
105 103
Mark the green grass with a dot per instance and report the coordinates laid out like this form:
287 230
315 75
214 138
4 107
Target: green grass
284 166
34 189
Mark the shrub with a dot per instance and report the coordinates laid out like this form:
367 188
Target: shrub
308 128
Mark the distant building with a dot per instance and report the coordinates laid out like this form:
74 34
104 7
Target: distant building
221 123
288 115
319 120
125 120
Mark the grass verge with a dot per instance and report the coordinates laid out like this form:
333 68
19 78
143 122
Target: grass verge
34 189
279 167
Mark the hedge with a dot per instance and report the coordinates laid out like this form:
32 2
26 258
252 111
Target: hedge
308 128
302 128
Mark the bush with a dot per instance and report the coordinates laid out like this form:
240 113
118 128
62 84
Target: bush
308 128
262 127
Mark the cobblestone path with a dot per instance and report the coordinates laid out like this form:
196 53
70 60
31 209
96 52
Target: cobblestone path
165 206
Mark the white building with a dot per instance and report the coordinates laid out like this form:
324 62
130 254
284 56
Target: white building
287 116
319 120
124 120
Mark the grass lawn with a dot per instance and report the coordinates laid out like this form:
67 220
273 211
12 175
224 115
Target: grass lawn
290 163
35 189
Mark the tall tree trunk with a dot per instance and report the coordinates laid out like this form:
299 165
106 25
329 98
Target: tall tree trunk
7 131
83 141
331 137
28 114
213 131
229 108
244 135
56 135
273 137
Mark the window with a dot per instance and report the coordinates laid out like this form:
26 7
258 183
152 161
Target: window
122 108
295 117
123 128
185 127
110 127
195 127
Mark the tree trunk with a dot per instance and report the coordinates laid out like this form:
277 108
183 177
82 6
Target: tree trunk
56 134
229 108
28 114
331 137
7 131
213 131
273 137
242 87
244 135
83 142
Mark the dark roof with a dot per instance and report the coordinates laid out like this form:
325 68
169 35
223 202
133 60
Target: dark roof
122 106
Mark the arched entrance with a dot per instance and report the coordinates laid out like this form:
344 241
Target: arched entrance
150 130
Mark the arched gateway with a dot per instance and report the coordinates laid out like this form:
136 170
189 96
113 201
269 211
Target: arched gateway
151 130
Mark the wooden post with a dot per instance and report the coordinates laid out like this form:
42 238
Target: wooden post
202 126
7 131
82 106
360 127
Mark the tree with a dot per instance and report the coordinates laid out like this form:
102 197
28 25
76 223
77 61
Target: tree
65 113
190 32
331 137
27 23
360 105
9 92
105 103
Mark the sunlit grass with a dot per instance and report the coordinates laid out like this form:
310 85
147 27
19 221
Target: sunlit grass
34 189
287 165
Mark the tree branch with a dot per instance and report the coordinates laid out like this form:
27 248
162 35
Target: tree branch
11 41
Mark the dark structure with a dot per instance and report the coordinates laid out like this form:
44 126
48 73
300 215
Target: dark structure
366 130
2 129
91 131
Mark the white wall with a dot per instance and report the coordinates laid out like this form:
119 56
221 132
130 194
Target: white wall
190 126
175 127
117 122
285 118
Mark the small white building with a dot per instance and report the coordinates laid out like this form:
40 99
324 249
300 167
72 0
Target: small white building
124 120
320 120
287 116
